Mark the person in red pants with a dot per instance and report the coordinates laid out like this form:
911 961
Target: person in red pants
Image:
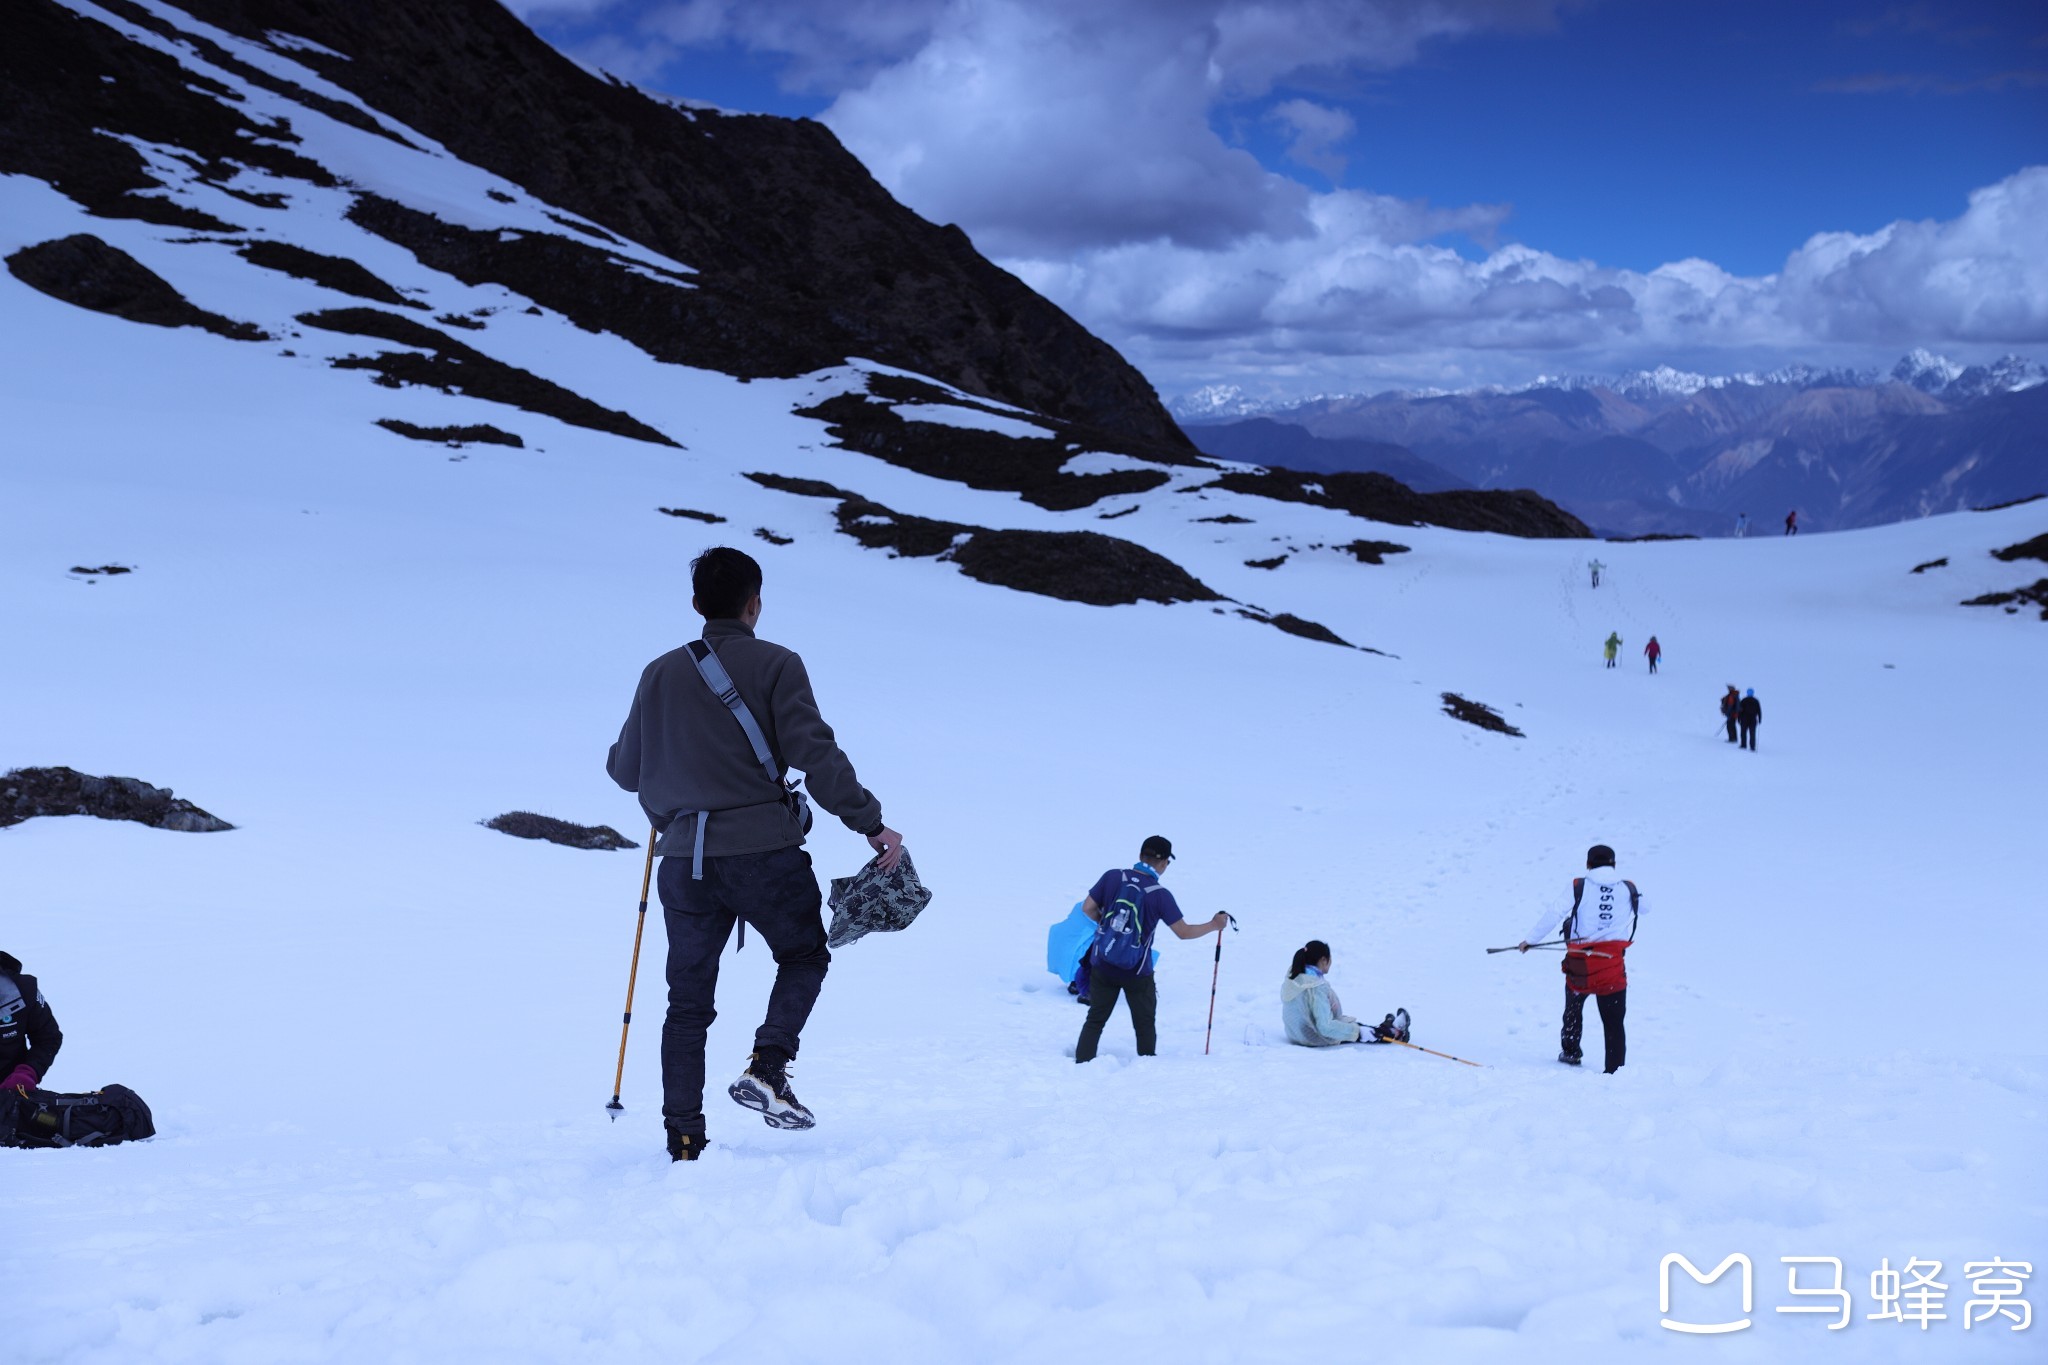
1599 922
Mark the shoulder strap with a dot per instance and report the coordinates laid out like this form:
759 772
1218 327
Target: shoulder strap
1635 900
1571 921
720 682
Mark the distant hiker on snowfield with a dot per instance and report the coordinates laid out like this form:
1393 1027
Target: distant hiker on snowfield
1731 705
1128 905
1612 647
29 1036
1599 921
1596 566
1751 714
731 836
1742 525
1653 652
1792 522
1311 1012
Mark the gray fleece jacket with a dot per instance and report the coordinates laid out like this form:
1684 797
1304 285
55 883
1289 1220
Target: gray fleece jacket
683 751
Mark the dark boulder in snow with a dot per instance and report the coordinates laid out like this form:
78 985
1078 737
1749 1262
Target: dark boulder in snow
2034 594
691 514
28 792
83 270
1941 563
452 367
1479 714
1373 551
479 433
524 824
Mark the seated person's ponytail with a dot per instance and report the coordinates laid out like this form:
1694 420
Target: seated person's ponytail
1306 956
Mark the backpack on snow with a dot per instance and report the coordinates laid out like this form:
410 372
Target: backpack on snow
44 1118
1120 935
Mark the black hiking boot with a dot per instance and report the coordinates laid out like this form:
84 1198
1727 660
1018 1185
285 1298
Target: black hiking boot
1568 1058
1393 1028
764 1088
686 1146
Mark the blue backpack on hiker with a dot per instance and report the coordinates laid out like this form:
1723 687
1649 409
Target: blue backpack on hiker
1120 937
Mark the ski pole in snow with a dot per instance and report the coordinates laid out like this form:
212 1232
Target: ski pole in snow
1431 1051
1214 972
632 976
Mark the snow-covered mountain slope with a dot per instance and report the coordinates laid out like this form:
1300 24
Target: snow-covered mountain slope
378 1037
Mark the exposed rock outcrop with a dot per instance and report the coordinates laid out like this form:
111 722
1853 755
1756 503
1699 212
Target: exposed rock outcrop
524 824
26 793
85 271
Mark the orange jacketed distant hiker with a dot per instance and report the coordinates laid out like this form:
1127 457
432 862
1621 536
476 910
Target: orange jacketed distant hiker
1792 522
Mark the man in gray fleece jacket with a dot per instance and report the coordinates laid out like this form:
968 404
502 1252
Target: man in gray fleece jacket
731 842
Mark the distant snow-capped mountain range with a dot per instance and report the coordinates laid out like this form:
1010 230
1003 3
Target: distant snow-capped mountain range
1924 370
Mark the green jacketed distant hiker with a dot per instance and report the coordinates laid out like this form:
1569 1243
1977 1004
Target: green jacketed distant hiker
732 835
1612 648
1128 904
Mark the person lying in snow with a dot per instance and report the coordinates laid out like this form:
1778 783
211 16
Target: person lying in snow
29 1036
1313 1015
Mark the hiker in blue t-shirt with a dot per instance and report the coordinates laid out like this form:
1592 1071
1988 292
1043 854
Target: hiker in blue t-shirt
1128 905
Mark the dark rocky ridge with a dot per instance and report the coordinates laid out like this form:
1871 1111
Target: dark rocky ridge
27 793
1076 566
455 368
331 272
804 259
1376 497
84 271
987 460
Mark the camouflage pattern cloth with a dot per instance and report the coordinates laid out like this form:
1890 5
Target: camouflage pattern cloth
873 900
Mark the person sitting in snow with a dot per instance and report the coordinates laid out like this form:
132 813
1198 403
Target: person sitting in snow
1599 920
29 1036
1313 1015
1128 905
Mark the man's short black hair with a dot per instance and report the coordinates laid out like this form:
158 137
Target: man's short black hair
724 580
1599 855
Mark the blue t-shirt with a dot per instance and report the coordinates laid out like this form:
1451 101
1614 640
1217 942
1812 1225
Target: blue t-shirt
1155 909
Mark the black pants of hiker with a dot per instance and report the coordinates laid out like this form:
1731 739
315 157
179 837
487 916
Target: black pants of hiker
777 894
1104 987
1731 729
1749 735
1612 1009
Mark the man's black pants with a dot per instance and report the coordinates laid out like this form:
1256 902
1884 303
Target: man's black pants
1749 735
1612 1009
777 894
1103 988
1731 729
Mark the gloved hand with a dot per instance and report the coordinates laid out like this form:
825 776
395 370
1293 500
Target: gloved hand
23 1076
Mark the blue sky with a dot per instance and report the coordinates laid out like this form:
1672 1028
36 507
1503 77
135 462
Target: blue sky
1265 192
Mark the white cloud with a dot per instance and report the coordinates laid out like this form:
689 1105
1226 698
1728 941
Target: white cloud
1076 141
1319 130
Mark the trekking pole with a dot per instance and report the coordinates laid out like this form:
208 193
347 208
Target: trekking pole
632 977
1588 952
1432 1051
1547 943
1214 972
